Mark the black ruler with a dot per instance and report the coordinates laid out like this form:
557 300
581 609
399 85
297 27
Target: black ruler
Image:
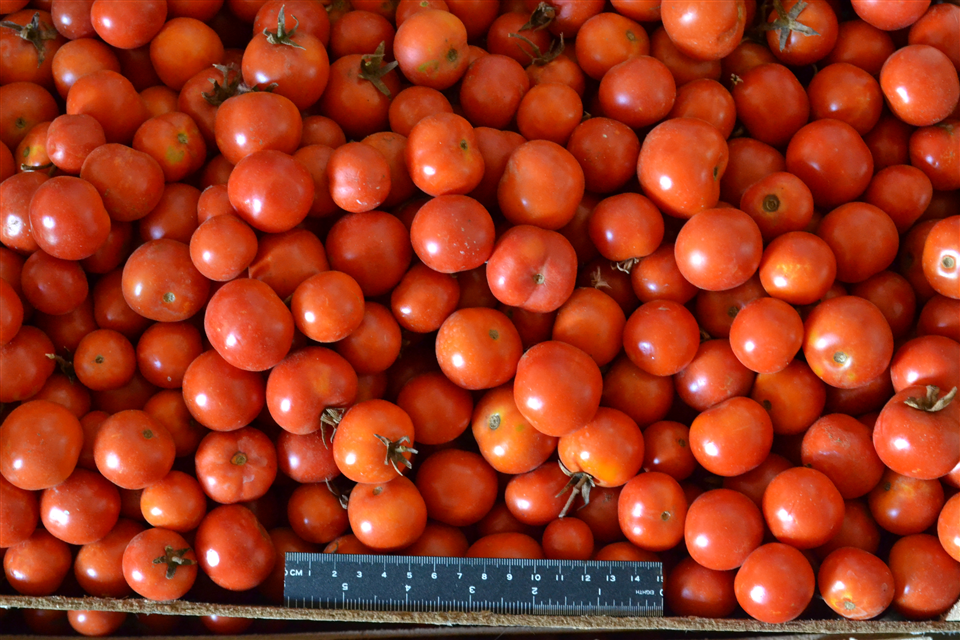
412 583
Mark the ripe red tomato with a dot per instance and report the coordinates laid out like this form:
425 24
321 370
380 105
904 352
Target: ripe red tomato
916 433
387 515
775 583
682 182
233 548
722 529
847 341
159 564
652 510
557 388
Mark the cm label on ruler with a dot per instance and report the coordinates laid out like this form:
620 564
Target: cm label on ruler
406 583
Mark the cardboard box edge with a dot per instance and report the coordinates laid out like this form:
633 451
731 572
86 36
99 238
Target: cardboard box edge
487 619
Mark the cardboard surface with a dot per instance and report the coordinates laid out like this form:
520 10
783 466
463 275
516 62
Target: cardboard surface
539 623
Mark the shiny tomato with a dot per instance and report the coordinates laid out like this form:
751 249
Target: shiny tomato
847 341
722 529
775 583
916 433
652 510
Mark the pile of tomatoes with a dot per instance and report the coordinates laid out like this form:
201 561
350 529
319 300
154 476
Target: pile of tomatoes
625 280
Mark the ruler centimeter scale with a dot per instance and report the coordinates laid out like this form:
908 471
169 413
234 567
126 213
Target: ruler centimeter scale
510 586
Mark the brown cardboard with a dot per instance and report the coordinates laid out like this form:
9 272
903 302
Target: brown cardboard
483 619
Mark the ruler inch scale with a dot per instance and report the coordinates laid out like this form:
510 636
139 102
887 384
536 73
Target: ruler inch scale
498 585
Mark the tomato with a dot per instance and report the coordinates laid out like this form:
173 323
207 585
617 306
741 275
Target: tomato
373 440
82 509
775 583
766 335
764 89
431 47
257 121
929 150
926 579
606 150
608 39
316 513
70 139
176 502
37 566
705 31
916 433
693 590
236 466
542 185
303 386
568 539
732 437
387 515
458 487
847 341
841 448
506 439
174 140
802 507
920 105
609 449
96 623
506 545
532 268
132 450
719 249
557 388
714 375
413 104
112 100
652 509
621 98
26 437
682 184
68 218
377 269
98 566
375 345
53 286
722 528
829 97
159 564
800 33
452 233
29 43
492 90
20 513
947 528
890 18
247 341
904 505
927 360
233 548
861 44
294 60
941 255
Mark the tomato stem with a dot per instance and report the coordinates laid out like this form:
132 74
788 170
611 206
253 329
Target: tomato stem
66 366
541 18
330 417
787 22
281 36
537 57
35 33
395 451
579 484
372 68
930 403
173 558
